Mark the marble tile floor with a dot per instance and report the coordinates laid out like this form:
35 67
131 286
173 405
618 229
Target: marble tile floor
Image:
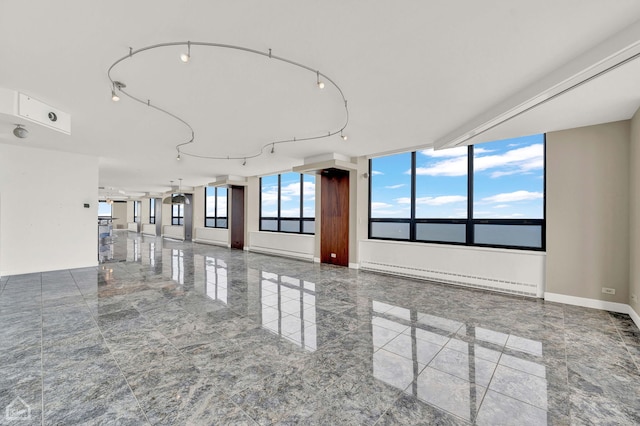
181 333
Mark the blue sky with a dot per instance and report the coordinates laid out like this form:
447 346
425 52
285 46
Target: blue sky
508 181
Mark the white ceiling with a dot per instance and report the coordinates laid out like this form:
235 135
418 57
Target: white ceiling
413 72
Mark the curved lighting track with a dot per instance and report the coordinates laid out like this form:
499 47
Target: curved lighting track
119 87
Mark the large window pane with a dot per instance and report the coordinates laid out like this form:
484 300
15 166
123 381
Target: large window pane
395 230
442 232
269 196
210 202
221 203
104 209
269 225
309 226
290 225
391 186
290 195
309 196
509 235
509 179
441 183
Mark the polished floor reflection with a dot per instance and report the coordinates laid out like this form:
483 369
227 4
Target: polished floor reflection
182 333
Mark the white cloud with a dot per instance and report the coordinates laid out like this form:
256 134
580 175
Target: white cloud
508 197
451 167
501 206
519 160
515 161
376 172
433 201
400 185
378 205
460 151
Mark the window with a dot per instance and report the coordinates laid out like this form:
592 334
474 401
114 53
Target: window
136 211
152 210
490 195
216 212
177 213
287 203
104 209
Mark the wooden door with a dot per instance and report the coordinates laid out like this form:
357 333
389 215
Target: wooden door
334 222
237 217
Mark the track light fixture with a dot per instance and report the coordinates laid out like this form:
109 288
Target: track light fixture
20 132
318 82
184 57
343 136
118 86
244 163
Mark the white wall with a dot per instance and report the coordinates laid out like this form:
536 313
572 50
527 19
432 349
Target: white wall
43 223
634 214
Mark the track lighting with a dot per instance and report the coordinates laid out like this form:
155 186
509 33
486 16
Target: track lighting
244 163
20 132
343 136
182 148
184 57
318 82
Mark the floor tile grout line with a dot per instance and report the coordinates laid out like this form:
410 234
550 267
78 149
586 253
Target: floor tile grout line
111 353
42 346
624 343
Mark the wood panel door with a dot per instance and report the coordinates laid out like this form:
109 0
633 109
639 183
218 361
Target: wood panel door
237 217
334 222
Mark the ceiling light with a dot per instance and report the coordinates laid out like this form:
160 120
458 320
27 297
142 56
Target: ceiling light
184 57
244 163
318 82
273 148
178 157
116 85
20 132
343 136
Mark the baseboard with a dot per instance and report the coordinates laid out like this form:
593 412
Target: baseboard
283 253
588 303
211 242
634 316
354 265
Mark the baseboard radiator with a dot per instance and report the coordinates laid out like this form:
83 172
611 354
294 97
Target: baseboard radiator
133 226
507 271
173 231
282 244
216 236
149 229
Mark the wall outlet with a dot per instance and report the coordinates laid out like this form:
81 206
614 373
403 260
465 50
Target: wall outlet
634 298
333 255
607 290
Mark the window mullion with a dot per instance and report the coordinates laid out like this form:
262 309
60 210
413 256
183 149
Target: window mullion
412 221
470 194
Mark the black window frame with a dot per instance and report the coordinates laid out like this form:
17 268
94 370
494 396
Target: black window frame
177 219
279 219
136 211
152 210
470 222
216 219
